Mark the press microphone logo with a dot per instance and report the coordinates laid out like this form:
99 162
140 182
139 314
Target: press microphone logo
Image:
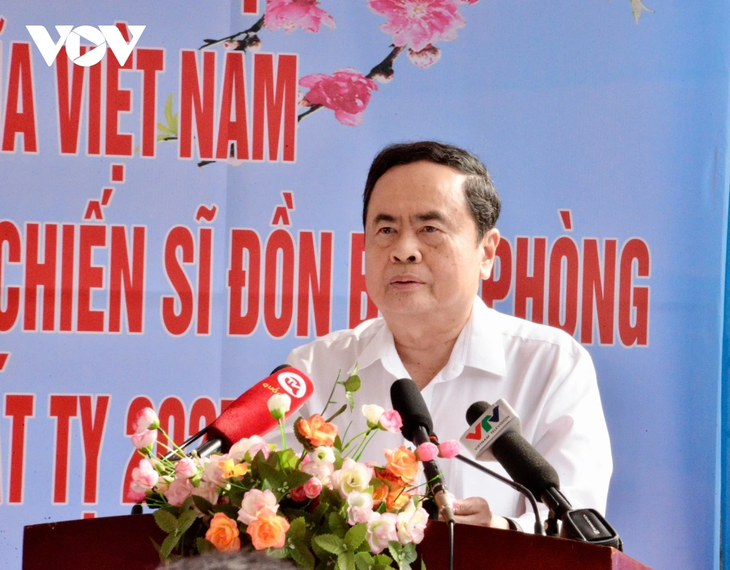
486 425
293 384
100 37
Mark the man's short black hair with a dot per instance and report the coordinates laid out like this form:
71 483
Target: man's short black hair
481 195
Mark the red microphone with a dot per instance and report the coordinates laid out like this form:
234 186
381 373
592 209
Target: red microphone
249 414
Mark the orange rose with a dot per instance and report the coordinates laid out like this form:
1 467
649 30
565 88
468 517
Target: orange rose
397 499
317 431
403 463
223 533
268 530
379 494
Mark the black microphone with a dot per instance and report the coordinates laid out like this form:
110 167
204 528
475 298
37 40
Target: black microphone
527 466
417 428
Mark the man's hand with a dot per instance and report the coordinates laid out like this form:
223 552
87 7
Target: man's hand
476 511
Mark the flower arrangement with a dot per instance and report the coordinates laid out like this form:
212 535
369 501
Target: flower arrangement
322 507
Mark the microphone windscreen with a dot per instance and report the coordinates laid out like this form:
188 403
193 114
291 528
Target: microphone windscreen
524 463
476 411
408 402
249 414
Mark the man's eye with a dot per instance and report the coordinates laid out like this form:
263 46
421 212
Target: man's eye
429 229
385 230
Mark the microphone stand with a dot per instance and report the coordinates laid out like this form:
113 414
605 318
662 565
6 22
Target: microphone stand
516 486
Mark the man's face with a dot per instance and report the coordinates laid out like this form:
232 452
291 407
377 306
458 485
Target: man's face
421 252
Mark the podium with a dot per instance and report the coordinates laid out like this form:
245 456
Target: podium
123 542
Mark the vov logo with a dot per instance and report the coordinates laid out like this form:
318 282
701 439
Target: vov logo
100 37
485 424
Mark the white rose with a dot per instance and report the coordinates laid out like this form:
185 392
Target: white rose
372 414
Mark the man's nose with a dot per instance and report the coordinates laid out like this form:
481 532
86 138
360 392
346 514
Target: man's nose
406 250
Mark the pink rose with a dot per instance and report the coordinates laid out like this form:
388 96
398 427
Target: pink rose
359 508
180 489
249 446
254 501
144 439
426 57
208 491
144 477
347 93
411 524
212 472
381 530
449 449
417 23
185 468
427 451
391 421
136 496
322 471
146 419
293 14
313 488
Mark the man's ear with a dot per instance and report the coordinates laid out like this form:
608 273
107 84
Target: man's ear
488 246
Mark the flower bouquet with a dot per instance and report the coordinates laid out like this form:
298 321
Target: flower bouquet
320 507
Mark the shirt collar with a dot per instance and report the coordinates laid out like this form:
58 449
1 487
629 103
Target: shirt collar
479 346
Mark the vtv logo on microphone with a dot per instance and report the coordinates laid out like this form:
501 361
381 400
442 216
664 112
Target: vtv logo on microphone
71 37
485 424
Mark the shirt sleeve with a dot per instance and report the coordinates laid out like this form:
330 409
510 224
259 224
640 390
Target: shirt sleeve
572 435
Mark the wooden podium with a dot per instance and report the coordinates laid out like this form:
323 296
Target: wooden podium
120 543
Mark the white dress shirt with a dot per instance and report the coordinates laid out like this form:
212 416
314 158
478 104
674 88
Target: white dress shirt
542 372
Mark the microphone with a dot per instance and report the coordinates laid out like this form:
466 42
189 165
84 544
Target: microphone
526 466
417 428
249 414
489 422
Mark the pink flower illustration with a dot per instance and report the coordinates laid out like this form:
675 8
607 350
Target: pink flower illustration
418 23
426 57
347 93
293 14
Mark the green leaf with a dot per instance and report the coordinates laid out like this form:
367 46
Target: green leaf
351 400
277 552
186 520
203 505
383 560
204 545
364 560
302 555
396 550
288 458
355 536
229 510
337 413
409 554
165 520
353 383
338 525
423 564
330 543
346 561
297 478
168 544
297 529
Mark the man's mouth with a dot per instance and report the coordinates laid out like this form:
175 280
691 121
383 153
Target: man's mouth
405 282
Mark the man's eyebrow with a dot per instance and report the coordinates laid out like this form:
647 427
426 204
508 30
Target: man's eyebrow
384 218
433 215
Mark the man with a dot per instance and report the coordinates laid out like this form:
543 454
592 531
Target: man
429 214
